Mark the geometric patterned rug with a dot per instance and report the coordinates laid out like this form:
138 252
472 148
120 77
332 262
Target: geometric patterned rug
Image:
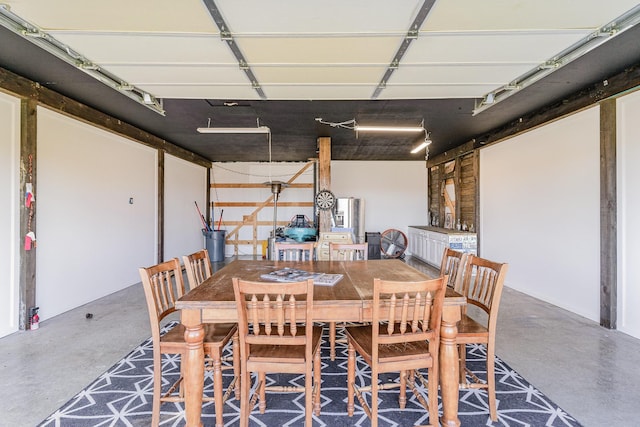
122 397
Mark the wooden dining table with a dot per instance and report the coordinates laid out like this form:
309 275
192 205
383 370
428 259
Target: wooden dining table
349 300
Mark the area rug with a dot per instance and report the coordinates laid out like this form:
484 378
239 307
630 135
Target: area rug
122 396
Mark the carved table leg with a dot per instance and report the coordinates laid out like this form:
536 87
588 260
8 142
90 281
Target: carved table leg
193 366
449 366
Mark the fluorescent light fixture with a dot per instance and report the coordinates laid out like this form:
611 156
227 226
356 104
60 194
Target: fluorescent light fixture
419 147
422 145
405 129
353 125
259 129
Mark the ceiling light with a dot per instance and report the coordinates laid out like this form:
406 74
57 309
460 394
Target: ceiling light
407 129
424 144
353 125
259 129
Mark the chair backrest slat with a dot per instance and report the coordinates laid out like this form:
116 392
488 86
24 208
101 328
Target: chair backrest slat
294 251
163 286
453 266
198 266
274 312
483 283
348 251
405 312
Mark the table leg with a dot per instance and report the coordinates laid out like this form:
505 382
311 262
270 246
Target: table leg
193 366
449 366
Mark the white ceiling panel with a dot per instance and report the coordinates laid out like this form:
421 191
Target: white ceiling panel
314 50
184 74
321 75
465 15
118 48
452 74
311 92
489 48
319 50
188 16
434 91
203 91
316 17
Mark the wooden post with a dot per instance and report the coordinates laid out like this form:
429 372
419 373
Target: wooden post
208 212
28 174
324 179
457 189
160 197
608 215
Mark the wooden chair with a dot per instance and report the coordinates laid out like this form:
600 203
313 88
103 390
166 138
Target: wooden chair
277 336
294 251
163 285
198 266
348 251
404 336
344 252
452 266
482 286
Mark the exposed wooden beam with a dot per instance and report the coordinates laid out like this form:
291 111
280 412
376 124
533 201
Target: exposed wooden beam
608 216
249 185
613 86
451 154
161 210
324 180
26 89
268 203
28 219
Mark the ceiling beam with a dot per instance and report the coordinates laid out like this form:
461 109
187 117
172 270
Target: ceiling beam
26 89
225 35
614 86
411 35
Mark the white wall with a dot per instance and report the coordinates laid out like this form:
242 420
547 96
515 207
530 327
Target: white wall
91 240
540 211
257 173
185 183
9 214
394 193
628 109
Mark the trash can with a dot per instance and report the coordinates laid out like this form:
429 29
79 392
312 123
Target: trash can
214 242
373 245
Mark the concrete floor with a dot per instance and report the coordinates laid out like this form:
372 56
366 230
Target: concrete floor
589 371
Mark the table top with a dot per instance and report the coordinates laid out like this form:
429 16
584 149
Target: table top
356 285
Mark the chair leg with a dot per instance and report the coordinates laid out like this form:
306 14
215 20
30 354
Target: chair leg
245 387
491 382
157 388
262 381
235 346
217 385
432 389
332 340
351 376
402 399
374 397
462 357
317 381
308 396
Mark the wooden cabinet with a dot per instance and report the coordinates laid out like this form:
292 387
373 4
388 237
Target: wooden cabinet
428 243
322 247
